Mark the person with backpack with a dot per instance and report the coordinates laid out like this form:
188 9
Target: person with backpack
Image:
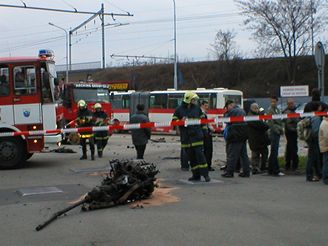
276 130
313 164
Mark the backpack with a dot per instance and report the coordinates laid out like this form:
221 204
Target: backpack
304 129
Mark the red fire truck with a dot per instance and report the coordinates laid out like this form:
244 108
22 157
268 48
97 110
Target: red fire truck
26 103
91 93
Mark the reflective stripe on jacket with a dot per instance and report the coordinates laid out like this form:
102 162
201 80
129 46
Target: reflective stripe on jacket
190 136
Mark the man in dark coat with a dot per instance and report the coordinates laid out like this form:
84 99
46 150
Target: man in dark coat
208 138
236 136
191 136
291 156
258 140
140 136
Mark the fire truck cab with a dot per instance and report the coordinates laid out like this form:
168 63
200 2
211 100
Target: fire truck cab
26 103
71 93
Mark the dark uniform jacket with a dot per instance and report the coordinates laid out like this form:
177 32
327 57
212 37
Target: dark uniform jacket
140 136
190 136
257 134
237 131
85 119
100 118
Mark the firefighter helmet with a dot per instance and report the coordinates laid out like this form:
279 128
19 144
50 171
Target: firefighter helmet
189 95
82 104
97 105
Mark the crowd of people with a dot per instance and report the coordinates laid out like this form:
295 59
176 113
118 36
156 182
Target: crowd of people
197 143
197 140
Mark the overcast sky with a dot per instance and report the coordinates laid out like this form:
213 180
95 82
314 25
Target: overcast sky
149 33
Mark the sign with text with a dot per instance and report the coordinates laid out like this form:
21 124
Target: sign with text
118 86
294 91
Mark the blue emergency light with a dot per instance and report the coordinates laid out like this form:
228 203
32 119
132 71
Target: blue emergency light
46 53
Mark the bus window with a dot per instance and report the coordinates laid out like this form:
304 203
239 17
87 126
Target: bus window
174 100
212 103
204 97
91 95
126 101
158 101
235 98
4 81
24 79
116 101
45 85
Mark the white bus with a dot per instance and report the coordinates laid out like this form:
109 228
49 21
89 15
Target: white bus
161 105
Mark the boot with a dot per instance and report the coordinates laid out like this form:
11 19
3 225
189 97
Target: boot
194 178
92 156
83 157
100 154
207 178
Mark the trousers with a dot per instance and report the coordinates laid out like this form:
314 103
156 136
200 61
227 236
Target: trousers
197 161
140 151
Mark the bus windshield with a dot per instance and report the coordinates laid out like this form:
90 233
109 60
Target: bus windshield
91 95
235 98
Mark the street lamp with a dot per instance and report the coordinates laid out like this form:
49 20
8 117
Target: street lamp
175 49
66 34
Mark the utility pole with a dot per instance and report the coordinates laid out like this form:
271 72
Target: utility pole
312 20
66 35
175 49
101 13
103 35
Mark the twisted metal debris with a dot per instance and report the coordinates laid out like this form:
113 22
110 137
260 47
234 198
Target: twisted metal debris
128 181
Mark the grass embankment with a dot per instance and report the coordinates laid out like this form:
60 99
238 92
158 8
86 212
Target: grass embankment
301 164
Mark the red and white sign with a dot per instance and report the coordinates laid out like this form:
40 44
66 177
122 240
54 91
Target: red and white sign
294 91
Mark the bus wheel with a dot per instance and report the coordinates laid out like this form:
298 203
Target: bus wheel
12 153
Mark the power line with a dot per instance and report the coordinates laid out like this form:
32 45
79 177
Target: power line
61 10
142 57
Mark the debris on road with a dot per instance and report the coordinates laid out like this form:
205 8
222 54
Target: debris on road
159 140
128 181
63 150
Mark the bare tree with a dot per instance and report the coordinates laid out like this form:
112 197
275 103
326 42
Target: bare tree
284 27
224 46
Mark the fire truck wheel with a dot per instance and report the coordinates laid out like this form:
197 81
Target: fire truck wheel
28 156
12 153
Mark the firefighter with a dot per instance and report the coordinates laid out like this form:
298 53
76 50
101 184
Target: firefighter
101 137
85 119
192 138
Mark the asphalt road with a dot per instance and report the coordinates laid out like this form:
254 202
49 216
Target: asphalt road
260 210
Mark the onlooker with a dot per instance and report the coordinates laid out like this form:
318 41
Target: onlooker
323 141
314 157
258 140
314 100
208 138
236 136
291 155
140 136
276 130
